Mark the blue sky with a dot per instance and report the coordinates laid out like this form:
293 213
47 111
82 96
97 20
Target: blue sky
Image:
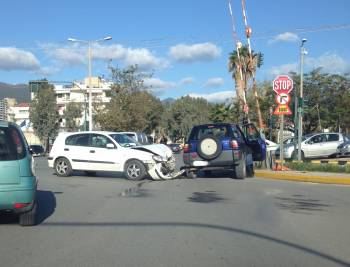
185 42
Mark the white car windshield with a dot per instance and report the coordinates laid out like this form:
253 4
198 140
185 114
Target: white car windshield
124 140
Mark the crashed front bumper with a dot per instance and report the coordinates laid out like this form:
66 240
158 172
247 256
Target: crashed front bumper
164 170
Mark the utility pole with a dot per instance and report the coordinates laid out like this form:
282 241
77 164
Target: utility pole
296 123
301 100
89 43
90 87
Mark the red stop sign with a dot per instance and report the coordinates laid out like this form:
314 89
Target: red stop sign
282 84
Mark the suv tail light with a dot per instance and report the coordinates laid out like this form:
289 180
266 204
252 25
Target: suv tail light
186 148
234 144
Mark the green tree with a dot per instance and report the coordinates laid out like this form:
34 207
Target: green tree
326 100
71 115
225 112
181 115
43 113
132 106
243 69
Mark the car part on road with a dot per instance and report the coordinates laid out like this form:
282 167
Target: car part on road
191 174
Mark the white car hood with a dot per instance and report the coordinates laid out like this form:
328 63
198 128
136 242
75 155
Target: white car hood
157 149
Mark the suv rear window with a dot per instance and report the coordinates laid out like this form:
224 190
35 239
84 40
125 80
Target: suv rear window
12 146
219 131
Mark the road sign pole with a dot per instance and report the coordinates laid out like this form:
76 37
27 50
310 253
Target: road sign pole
301 104
281 140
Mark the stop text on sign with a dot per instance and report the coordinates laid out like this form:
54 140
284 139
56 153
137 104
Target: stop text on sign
282 86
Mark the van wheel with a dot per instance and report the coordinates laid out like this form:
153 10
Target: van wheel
28 218
240 171
135 170
63 167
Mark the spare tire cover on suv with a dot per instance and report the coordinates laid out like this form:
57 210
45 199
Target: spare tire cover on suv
209 147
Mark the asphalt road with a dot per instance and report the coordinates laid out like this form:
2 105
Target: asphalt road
216 221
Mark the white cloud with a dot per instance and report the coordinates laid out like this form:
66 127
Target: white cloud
329 62
156 83
106 52
66 55
284 69
218 97
285 37
194 53
47 71
75 54
144 59
214 82
186 81
12 58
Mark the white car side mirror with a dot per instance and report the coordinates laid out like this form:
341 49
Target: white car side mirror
110 146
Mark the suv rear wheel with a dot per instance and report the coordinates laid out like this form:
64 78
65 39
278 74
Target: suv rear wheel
240 171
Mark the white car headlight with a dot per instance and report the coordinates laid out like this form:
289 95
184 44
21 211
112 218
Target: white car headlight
158 158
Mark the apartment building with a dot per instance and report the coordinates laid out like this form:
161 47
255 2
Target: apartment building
77 92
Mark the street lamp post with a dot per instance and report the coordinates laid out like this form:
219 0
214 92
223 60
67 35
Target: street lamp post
301 100
90 42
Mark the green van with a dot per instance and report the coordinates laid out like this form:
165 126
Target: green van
18 183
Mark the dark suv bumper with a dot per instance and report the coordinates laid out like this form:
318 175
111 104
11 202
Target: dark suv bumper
227 159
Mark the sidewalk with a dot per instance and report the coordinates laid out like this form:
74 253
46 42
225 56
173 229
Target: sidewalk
304 176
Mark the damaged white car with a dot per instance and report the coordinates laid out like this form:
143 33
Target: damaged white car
110 151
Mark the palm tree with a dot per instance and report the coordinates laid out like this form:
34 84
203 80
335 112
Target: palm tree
243 69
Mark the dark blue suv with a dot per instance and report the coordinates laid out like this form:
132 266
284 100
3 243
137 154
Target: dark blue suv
223 146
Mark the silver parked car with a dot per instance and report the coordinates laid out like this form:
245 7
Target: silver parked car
344 148
314 146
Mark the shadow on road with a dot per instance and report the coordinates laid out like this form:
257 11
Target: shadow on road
159 225
206 197
46 206
300 204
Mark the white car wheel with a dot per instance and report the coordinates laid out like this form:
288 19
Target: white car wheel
135 170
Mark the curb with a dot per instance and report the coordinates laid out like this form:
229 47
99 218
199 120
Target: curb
279 175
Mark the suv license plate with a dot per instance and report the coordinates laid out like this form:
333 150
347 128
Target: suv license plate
200 163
